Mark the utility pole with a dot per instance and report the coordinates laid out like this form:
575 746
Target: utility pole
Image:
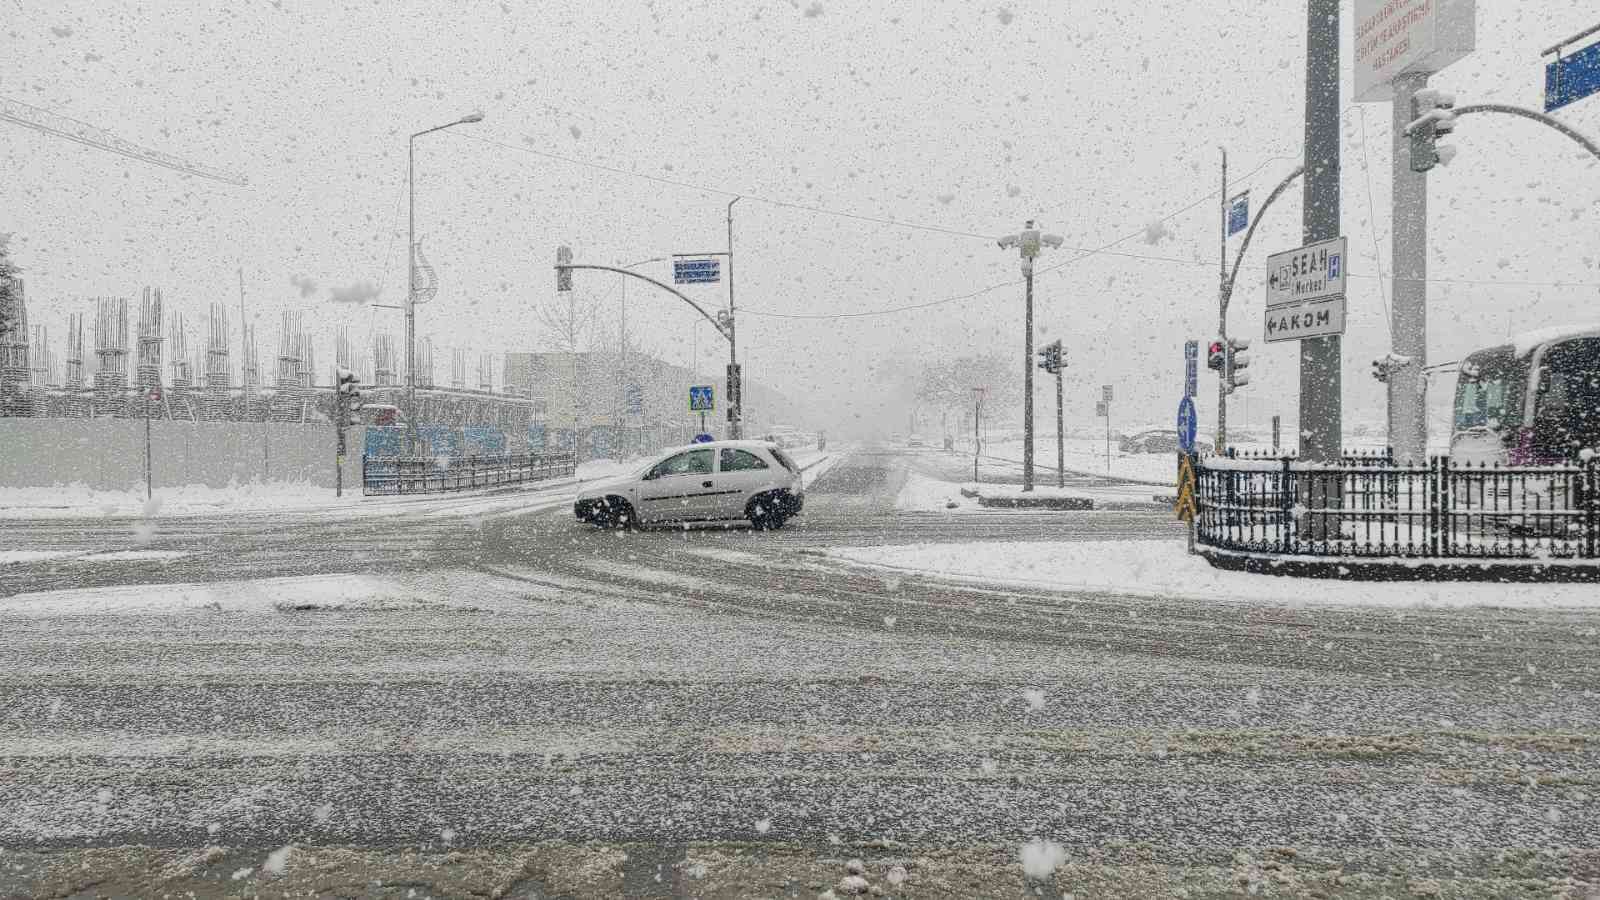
1408 317
977 442
735 376
1222 314
1028 242
1321 410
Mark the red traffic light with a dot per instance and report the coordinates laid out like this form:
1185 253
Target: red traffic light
1216 356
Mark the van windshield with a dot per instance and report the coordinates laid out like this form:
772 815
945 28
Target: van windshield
1489 391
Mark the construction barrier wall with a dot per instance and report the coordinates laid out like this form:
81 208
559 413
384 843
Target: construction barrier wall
109 454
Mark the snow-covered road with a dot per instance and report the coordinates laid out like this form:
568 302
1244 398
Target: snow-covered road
526 707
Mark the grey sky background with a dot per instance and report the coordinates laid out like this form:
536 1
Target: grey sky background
1100 118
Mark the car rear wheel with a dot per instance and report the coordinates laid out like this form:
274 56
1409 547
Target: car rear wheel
615 512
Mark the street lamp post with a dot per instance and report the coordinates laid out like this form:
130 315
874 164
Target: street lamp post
1028 242
411 276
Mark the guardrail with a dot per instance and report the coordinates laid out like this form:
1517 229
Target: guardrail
433 475
1365 508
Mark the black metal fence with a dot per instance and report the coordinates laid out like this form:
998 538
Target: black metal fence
1370 507
432 475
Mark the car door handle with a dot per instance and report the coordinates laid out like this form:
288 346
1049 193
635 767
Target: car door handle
705 484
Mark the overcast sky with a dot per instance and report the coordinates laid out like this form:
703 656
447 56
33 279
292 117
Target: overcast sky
625 128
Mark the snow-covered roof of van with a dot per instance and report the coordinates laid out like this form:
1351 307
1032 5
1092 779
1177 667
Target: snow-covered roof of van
1526 342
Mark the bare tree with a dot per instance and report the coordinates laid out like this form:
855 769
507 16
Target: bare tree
570 319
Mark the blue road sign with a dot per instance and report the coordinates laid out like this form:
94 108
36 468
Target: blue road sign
1572 78
702 438
635 400
696 271
1187 425
702 398
1238 213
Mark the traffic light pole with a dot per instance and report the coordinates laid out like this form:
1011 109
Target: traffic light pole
1061 436
1408 316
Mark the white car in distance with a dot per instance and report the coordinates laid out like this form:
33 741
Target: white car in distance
719 481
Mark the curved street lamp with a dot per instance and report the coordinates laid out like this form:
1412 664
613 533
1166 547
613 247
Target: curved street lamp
411 275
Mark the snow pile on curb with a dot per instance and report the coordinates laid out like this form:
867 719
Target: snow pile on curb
1164 569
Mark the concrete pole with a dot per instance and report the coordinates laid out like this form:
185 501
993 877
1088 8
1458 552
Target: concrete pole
1027 379
1408 385
1222 317
1321 411
1061 437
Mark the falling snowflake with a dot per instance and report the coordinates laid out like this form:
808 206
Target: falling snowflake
1035 698
1040 858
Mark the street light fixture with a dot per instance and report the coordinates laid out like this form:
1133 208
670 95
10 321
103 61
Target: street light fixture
1028 242
411 275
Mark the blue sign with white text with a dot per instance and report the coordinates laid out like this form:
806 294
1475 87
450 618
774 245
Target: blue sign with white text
1187 425
1238 214
696 271
1572 78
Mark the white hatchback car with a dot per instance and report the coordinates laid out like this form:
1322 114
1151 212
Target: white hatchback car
720 481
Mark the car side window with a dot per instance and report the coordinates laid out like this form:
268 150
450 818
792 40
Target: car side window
694 462
740 461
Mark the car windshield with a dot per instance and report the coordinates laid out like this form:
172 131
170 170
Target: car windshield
805 449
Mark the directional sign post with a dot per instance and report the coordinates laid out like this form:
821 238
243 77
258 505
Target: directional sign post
1313 272
696 270
1306 291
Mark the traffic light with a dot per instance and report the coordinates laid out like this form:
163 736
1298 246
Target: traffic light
349 398
1050 358
563 275
1237 359
1216 356
1431 116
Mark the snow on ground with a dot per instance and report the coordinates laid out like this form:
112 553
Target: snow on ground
258 596
1086 457
924 494
1164 569
79 500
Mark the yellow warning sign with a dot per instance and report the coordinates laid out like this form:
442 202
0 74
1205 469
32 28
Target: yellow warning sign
1186 508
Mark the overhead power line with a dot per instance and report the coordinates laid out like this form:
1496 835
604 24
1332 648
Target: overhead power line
727 192
49 122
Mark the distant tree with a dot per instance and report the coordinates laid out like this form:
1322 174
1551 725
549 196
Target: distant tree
8 284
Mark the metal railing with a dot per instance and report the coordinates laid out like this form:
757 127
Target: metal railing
1370 507
437 474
